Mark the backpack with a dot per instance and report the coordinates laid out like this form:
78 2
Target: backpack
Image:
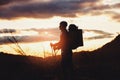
75 37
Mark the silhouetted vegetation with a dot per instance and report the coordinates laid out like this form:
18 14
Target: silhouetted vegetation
100 64
14 40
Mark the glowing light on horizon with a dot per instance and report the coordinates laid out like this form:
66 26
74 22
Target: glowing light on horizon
111 2
43 49
20 33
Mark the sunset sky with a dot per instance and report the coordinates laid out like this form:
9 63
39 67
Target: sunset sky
38 20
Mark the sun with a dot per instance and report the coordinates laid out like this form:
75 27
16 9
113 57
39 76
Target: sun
46 33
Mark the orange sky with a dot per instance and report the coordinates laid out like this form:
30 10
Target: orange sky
31 20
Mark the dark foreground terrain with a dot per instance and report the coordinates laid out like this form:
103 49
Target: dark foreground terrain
101 64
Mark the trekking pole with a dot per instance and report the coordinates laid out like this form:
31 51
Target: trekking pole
56 52
52 49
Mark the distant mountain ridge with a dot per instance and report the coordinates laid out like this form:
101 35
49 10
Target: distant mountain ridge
115 43
112 47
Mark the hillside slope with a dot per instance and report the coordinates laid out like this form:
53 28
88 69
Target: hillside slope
101 64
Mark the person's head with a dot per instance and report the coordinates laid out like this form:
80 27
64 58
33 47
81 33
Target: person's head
63 25
72 27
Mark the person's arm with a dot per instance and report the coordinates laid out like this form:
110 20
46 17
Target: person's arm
57 45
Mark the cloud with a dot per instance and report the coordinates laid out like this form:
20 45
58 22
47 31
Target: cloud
106 10
116 5
101 34
99 37
114 15
6 2
25 8
24 36
98 32
47 35
12 9
10 39
8 31
3 2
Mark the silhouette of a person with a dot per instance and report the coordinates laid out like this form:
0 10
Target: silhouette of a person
66 51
